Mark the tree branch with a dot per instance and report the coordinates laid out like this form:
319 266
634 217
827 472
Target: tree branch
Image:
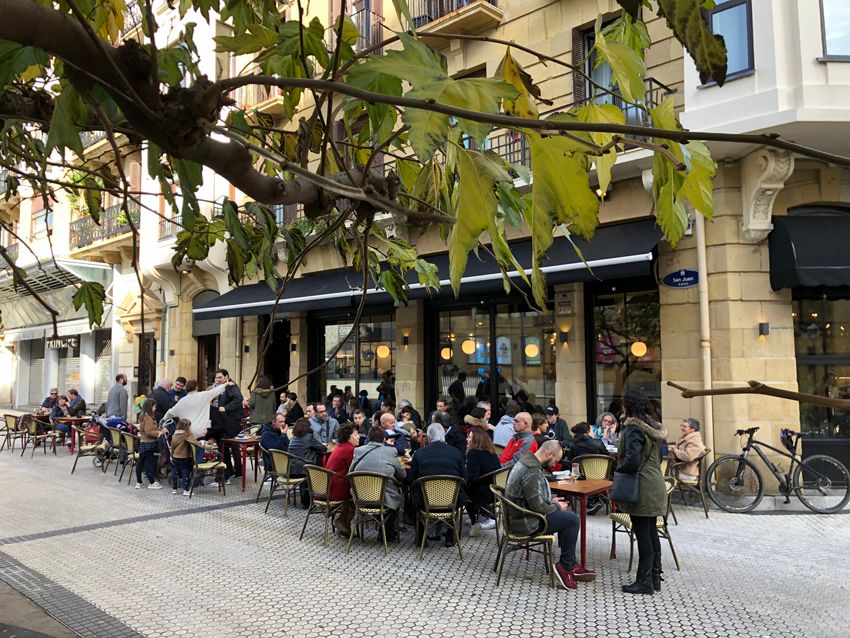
756 387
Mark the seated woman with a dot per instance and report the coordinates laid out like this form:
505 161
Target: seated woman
307 449
610 427
688 449
583 443
61 410
481 459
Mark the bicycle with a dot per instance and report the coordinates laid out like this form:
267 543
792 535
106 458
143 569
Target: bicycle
736 485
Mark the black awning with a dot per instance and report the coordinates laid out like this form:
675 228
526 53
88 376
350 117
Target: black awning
809 251
616 251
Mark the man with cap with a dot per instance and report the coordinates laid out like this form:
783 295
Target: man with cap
557 425
437 458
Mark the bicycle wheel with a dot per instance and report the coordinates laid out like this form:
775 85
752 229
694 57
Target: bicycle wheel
734 484
822 483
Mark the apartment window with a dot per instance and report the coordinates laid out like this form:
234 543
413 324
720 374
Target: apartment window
733 19
835 22
584 56
42 223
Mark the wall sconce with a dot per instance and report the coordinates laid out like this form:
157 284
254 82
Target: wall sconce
446 353
293 347
246 348
469 346
638 349
405 340
764 328
383 351
564 336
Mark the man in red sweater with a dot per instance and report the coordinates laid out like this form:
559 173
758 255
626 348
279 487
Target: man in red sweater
339 461
521 443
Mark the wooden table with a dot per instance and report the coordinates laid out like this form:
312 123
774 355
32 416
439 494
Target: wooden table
72 421
582 490
243 444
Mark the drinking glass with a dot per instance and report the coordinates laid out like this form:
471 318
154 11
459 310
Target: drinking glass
575 471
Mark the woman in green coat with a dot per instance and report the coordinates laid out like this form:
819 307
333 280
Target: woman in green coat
640 451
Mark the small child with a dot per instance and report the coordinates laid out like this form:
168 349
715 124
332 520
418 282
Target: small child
181 456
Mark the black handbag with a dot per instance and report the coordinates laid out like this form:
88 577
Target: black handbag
626 487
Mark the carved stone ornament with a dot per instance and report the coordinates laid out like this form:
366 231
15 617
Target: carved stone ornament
763 175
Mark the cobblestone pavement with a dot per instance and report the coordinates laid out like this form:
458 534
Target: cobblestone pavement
109 560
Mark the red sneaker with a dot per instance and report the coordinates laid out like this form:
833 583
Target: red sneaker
565 576
583 574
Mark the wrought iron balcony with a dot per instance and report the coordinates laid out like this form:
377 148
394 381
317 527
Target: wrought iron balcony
168 228
113 222
3 175
460 16
90 138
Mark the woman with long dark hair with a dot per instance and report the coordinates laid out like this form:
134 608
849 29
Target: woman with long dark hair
640 453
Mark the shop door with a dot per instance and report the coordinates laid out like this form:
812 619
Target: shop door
207 359
276 360
147 363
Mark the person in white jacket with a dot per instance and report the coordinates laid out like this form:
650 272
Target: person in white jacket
195 406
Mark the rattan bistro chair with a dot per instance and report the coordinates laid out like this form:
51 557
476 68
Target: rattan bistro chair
114 449
541 542
692 485
368 490
439 502
207 468
13 431
39 433
319 484
131 454
597 466
622 524
280 478
87 449
499 480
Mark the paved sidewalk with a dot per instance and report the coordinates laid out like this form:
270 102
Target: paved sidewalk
21 618
109 560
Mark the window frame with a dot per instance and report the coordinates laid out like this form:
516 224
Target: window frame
827 56
720 8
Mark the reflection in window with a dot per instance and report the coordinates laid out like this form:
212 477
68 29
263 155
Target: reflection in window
732 19
836 27
822 344
364 361
627 349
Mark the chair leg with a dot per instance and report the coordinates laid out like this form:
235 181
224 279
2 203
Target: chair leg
24 448
260 491
75 463
684 496
673 513
456 534
500 560
132 467
123 467
613 553
384 532
673 551
272 488
549 557
425 532
354 523
307 518
35 445
704 503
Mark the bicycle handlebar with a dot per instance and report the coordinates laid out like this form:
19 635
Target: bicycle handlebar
747 431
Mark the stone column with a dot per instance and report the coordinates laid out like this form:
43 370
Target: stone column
570 361
298 359
410 368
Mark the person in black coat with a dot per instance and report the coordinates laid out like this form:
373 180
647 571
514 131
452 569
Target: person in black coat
437 458
273 437
481 459
226 419
162 397
582 443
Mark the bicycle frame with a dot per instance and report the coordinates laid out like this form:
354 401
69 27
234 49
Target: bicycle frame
784 479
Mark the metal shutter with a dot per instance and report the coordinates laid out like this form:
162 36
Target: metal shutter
36 380
103 366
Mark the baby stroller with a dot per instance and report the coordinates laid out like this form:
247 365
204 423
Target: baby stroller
110 451
164 465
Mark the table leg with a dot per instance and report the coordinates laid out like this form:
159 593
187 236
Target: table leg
583 520
244 449
256 459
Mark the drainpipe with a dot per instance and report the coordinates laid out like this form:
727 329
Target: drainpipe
163 338
239 327
704 336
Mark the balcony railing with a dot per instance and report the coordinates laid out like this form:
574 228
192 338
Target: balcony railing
168 228
287 213
253 94
3 176
369 24
132 15
425 11
113 222
90 138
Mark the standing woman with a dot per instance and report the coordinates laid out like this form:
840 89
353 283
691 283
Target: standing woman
148 435
640 452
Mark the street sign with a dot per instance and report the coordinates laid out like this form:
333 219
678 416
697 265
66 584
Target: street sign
681 279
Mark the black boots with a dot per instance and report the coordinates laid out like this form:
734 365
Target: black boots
656 572
643 583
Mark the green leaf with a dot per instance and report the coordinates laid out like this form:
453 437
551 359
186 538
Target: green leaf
91 295
686 20
257 38
608 114
402 10
191 178
63 132
235 262
17 60
698 187
628 32
416 63
429 276
93 196
670 213
524 105
561 193
627 65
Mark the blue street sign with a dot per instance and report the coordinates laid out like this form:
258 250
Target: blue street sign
681 279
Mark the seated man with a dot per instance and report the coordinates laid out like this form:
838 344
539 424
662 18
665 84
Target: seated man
274 438
376 457
50 399
60 410
437 458
688 448
76 403
528 488
521 443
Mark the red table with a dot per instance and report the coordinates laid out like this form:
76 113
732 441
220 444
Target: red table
72 421
243 444
582 490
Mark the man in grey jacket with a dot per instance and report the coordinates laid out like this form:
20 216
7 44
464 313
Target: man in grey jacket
383 459
323 425
117 397
527 487
504 430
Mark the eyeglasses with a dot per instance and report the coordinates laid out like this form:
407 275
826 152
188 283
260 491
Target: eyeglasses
607 420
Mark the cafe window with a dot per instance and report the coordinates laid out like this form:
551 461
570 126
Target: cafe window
835 24
505 350
733 19
364 362
822 345
626 348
